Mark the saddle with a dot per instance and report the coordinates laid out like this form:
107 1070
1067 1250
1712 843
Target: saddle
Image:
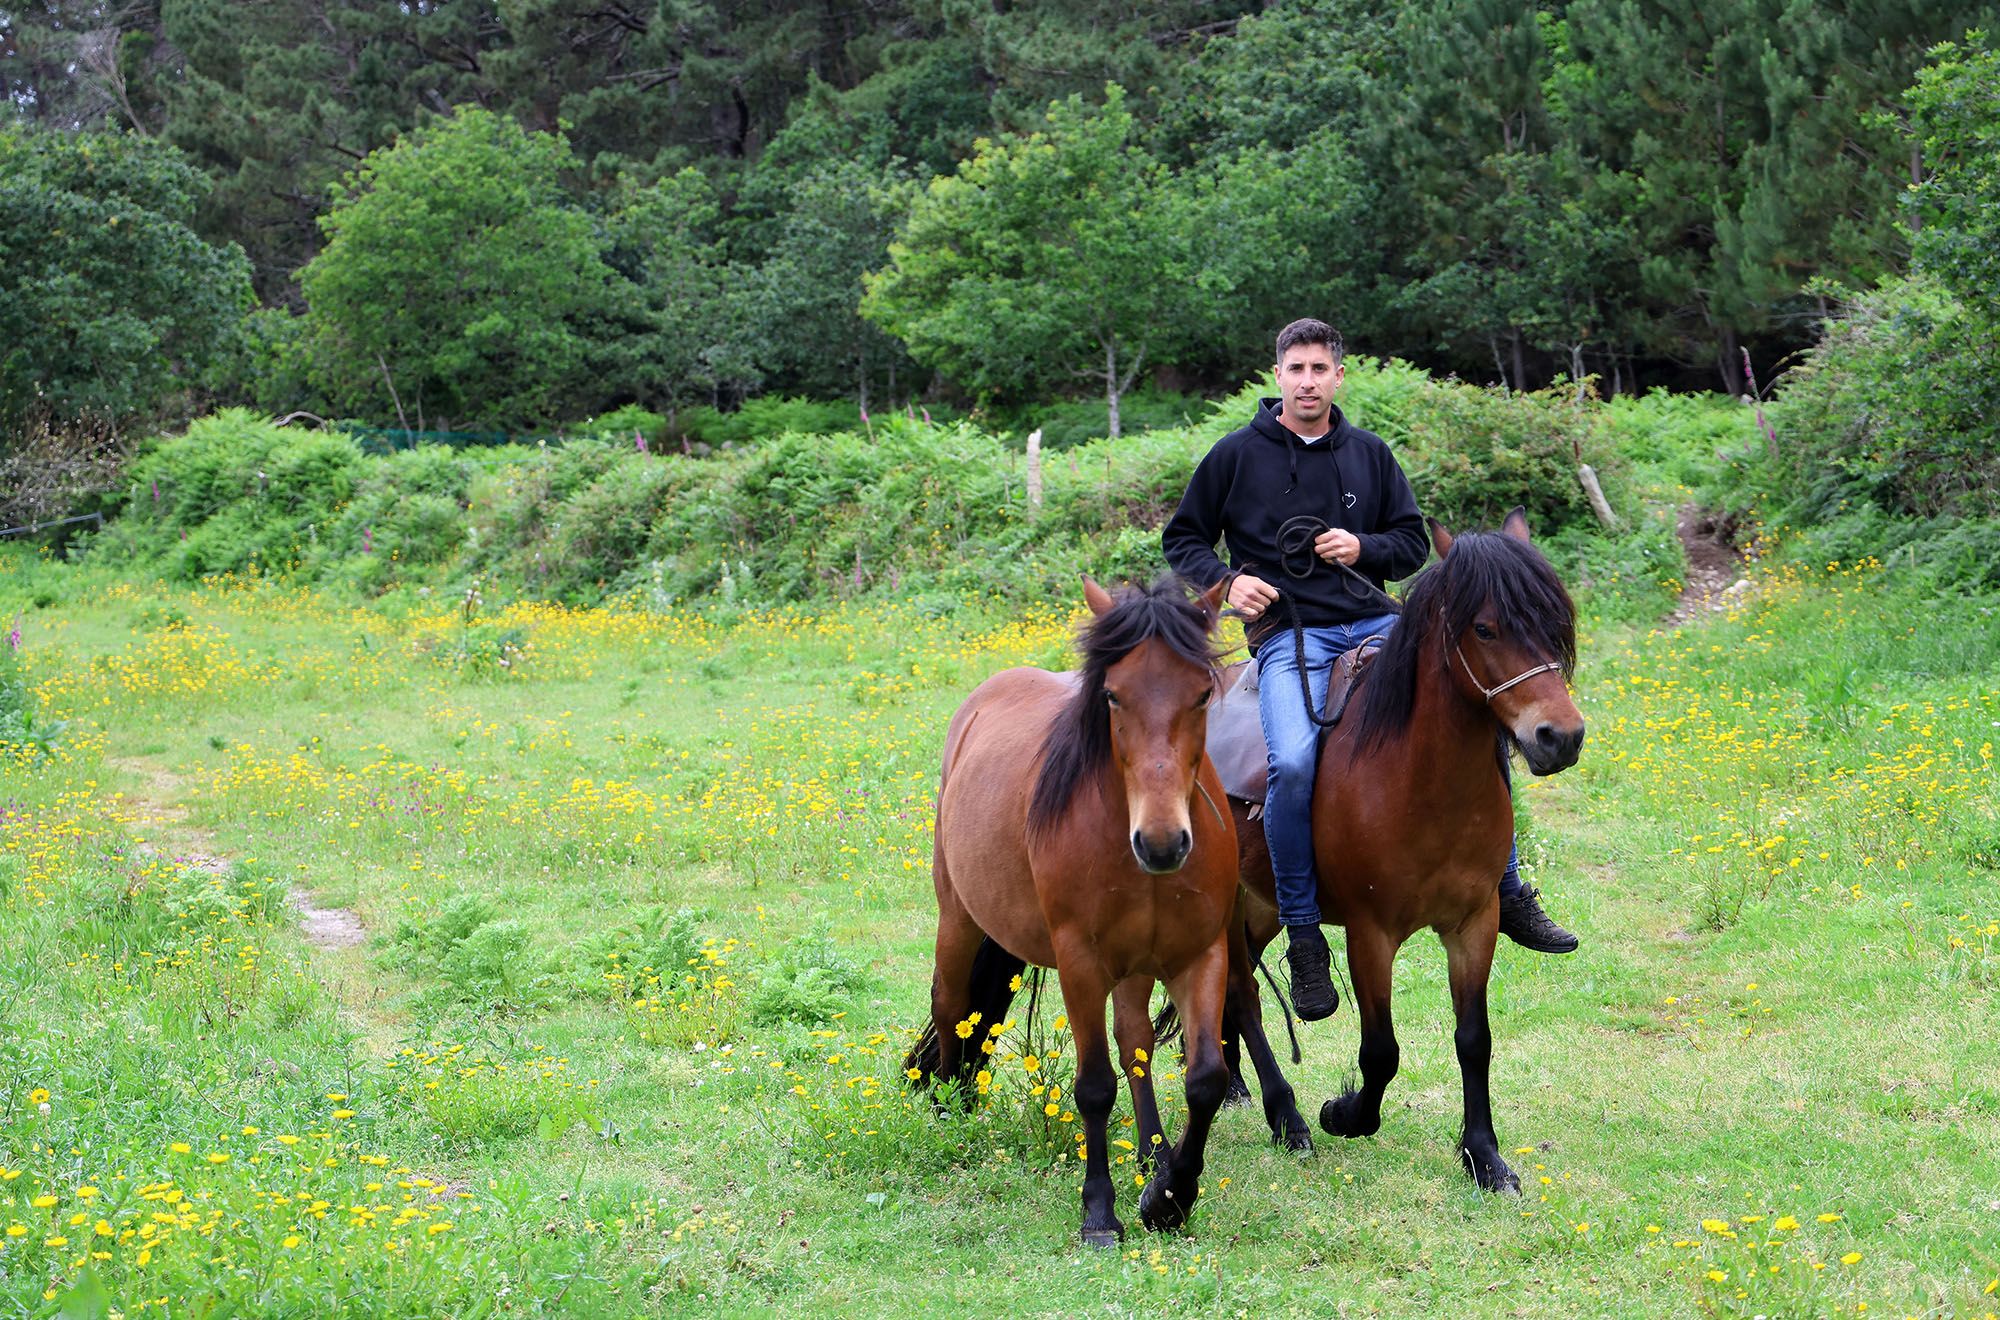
1236 730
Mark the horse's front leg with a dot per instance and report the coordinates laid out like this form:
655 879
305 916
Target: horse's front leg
1132 1024
1243 1020
1371 959
1198 992
1468 961
1084 990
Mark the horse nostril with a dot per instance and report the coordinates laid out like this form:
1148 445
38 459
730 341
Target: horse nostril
1184 845
1546 735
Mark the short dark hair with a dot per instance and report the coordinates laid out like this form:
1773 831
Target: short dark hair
1308 331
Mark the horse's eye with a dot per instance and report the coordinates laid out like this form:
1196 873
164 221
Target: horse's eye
1110 698
1484 633
1202 700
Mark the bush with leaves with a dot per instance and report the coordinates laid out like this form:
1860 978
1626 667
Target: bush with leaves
808 981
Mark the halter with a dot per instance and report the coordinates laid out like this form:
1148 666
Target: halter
1522 677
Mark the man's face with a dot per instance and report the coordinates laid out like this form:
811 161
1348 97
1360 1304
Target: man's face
1307 379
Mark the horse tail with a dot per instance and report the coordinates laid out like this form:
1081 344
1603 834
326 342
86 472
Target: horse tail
1285 1006
923 1055
1167 1025
990 992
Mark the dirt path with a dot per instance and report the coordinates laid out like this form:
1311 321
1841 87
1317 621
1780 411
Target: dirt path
335 935
1714 567
157 808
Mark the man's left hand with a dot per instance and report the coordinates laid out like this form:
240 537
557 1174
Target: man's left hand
1337 545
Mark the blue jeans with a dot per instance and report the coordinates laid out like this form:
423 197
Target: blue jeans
1291 741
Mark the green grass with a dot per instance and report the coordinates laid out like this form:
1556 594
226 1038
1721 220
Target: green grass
648 917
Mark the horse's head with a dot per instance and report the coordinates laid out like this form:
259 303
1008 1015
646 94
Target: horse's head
1150 663
1510 638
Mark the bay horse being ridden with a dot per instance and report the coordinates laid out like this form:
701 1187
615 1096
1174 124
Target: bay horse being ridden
1077 828
1412 811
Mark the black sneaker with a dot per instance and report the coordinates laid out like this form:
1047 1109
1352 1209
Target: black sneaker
1523 921
1310 961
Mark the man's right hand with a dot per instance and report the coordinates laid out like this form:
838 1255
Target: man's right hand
1251 596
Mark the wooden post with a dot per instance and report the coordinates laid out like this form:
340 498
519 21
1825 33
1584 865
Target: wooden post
1035 469
1598 504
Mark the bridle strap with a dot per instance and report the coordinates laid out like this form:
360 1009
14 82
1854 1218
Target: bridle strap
1490 693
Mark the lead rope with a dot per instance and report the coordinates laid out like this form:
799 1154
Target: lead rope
1296 535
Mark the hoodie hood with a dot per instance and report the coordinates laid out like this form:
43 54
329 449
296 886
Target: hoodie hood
1266 424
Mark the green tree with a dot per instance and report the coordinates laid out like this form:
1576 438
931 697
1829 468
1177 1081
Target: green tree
458 285
108 298
686 310
809 284
1065 254
1955 119
1762 139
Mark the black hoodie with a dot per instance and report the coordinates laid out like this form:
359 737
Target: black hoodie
1256 479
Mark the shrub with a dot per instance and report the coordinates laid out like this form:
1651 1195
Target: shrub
767 417
902 507
808 982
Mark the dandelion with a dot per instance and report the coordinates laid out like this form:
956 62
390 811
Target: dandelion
38 1096
1851 1258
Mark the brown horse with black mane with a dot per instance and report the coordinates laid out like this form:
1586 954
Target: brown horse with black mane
1079 827
1412 811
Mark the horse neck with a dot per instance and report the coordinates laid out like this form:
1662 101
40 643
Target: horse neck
1451 736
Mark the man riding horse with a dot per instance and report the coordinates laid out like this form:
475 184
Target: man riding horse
1316 514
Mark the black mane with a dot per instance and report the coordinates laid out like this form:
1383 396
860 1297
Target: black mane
1079 742
1482 567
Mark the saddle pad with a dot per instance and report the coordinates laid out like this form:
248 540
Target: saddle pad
1236 734
1236 730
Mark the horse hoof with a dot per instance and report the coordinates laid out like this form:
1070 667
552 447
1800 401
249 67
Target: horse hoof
1103 1238
1491 1173
1160 1210
1294 1136
1338 1118
1237 1094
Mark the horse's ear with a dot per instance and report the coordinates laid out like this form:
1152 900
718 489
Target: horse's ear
1440 538
1516 525
1212 600
1096 597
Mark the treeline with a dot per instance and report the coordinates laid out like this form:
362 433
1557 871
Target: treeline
477 215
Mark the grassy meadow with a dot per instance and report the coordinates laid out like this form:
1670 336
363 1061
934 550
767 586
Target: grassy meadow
640 920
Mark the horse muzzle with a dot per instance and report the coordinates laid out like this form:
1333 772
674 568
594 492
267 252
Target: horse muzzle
1162 856
1552 748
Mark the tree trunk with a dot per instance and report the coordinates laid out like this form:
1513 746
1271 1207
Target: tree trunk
1111 383
1520 366
1730 363
1034 469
